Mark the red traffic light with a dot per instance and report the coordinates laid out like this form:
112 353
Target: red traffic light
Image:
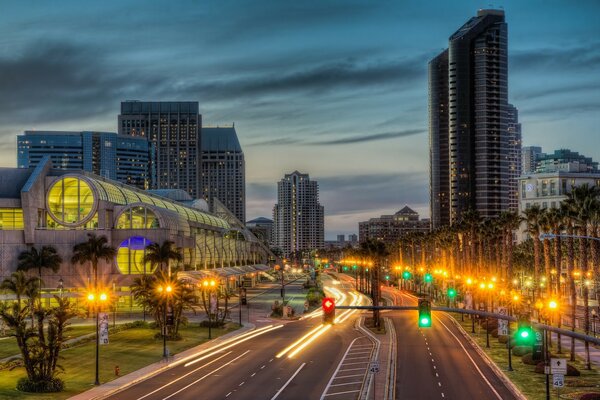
328 305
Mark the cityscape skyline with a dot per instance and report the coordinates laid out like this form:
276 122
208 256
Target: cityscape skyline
309 62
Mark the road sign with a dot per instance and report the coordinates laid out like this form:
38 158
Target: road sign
558 380
103 327
502 323
558 366
374 367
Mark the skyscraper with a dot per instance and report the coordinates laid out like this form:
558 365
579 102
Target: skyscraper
223 170
298 218
173 128
481 149
529 158
514 155
121 158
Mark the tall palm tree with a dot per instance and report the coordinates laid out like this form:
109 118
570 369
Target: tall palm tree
532 218
376 251
546 227
93 251
46 257
568 210
161 255
20 284
510 223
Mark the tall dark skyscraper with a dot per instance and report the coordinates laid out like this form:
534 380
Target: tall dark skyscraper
173 128
480 147
223 170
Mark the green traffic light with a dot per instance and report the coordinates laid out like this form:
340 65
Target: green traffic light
451 293
406 275
428 278
345 268
424 322
387 277
525 334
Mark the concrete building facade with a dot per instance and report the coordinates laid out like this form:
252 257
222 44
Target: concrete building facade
390 228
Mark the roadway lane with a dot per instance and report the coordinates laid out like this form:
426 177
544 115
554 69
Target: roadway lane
438 362
251 370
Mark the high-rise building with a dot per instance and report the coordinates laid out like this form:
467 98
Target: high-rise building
121 158
567 161
173 128
480 146
353 238
223 170
439 182
514 156
298 218
529 158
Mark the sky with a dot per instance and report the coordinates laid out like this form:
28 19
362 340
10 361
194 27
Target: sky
335 89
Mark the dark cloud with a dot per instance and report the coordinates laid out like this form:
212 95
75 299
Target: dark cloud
553 91
585 56
370 138
561 110
274 142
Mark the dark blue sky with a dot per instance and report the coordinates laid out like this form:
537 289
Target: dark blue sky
337 89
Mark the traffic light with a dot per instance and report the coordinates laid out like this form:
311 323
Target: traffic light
406 275
451 293
428 278
387 277
525 335
345 268
424 313
354 267
328 305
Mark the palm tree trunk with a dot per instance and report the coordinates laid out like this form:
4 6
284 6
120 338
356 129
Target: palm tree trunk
585 291
571 278
547 267
536 265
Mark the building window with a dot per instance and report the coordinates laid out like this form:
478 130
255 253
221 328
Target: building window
130 256
71 201
138 217
11 219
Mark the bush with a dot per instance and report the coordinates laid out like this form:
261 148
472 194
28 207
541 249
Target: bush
528 359
521 350
51 386
590 396
494 333
572 371
503 338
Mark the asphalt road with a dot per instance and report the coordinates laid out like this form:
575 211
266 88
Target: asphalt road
438 362
251 370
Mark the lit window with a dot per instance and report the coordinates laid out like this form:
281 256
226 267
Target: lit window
71 201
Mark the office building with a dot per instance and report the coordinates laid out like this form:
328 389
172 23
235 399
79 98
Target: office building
353 238
121 158
223 170
514 155
529 158
391 228
298 218
173 128
567 161
480 147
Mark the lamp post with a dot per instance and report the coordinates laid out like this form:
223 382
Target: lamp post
61 284
594 317
165 291
96 300
208 285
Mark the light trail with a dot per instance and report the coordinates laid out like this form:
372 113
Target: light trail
309 341
233 344
297 342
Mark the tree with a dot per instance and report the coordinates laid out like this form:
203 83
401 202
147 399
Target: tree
18 283
375 251
532 218
92 251
160 255
141 289
39 346
46 257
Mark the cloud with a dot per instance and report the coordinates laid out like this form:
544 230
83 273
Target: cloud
554 91
274 142
578 57
370 138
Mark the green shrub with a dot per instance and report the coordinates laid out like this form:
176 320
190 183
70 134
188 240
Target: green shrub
521 350
50 386
494 333
503 339
528 359
572 371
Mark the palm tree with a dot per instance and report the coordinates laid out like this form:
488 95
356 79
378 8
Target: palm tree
19 283
376 251
161 255
92 251
546 227
532 218
141 289
510 223
568 210
46 257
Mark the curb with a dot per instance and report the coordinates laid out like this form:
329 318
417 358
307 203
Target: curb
155 368
500 373
367 388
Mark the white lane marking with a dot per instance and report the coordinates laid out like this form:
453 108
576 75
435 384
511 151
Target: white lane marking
440 384
288 382
472 361
242 383
338 393
227 395
347 383
349 376
354 363
183 376
262 366
443 395
359 358
253 374
352 369
209 374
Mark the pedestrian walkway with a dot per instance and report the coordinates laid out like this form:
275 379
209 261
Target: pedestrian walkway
579 349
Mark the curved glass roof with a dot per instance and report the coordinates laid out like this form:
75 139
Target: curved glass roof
118 194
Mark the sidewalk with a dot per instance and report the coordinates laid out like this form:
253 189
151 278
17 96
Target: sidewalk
579 349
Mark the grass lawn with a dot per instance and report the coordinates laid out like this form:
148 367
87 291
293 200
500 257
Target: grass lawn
130 349
533 385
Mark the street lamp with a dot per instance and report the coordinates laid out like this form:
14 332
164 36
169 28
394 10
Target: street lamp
208 285
61 284
594 316
96 300
165 291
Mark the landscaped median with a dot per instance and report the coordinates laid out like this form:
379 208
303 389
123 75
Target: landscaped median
529 382
131 348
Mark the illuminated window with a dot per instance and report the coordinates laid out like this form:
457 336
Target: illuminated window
71 201
138 217
131 254
11 219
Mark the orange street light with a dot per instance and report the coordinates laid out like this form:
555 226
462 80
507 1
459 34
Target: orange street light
553 304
